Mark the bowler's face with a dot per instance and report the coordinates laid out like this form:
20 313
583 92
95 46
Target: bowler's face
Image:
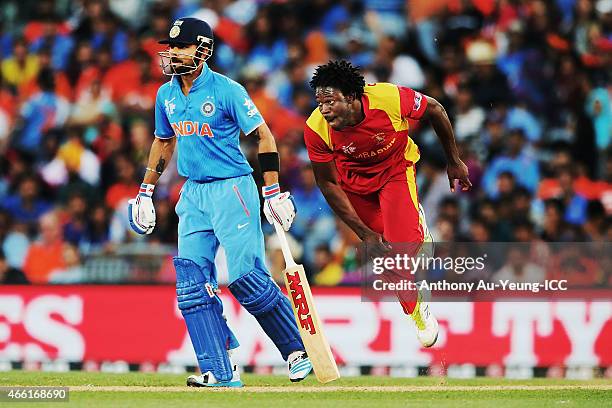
334 106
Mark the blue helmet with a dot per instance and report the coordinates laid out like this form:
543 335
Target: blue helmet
184 32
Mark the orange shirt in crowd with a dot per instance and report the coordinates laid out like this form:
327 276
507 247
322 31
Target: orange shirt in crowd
118 193
121 79
42 259
62 87
589 189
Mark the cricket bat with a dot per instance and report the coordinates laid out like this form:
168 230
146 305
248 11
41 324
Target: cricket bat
305 312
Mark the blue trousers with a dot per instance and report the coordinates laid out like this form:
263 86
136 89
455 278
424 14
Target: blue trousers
222 212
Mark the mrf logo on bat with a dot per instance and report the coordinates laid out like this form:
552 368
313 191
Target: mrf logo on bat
300 302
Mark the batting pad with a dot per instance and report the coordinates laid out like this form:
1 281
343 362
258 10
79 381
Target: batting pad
206 326
261 297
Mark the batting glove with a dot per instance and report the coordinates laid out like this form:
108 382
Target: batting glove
141 211
278 206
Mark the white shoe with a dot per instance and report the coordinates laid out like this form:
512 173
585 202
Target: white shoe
299 366
208 379
424 321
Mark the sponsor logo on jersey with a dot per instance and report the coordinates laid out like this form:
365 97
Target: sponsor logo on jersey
190 128
207 108
169 106
373 153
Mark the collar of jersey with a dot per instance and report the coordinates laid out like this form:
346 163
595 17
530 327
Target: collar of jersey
202 79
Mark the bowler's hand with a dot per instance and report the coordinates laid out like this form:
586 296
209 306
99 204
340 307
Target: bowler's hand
376 246
458 171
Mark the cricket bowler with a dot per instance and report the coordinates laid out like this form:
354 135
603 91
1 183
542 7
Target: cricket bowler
201 113
364 163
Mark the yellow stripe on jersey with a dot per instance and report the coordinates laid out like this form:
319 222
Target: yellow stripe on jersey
412 186
319 125
386 97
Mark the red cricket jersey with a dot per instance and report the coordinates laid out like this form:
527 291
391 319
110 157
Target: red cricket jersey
378 148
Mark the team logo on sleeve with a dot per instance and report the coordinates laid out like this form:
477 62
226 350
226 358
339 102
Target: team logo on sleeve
251 108
417 101
207 108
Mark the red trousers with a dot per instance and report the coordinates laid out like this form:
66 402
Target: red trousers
393 211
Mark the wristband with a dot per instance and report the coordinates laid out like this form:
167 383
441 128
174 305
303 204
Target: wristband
270 191
269 161
146 189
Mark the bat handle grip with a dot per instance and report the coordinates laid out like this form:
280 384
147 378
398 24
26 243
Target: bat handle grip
289 262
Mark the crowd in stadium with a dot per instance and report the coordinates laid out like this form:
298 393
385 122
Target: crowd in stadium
525 83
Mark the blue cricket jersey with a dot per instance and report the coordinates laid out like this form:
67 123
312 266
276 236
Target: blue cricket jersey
207 123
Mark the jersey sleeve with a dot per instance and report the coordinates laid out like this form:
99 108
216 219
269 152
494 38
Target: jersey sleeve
412 103
318 151
163 130
241 108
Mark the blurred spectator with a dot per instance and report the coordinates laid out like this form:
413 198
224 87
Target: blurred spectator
27 205
267 50
575 266
575 204
10 275
42 112
91 104
488 85
468 118
329 271
72 160
517 161
316 222
97 234
443 230
433 185
60 44
46 255
62 86
75 225
72 271
21 67
13 240
554 228
598 107
518 268
480 231
124 187
595 224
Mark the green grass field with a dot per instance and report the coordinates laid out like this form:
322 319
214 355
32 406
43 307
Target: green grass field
93 390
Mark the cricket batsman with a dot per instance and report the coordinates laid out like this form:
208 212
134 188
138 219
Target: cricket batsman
364 163
201 113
